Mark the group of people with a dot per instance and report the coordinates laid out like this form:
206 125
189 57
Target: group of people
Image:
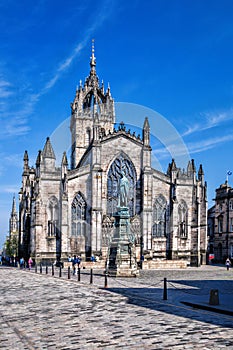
76 261
22 263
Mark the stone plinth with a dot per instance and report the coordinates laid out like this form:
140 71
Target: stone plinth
122 259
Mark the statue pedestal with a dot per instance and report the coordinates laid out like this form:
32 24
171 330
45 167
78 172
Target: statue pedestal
122 258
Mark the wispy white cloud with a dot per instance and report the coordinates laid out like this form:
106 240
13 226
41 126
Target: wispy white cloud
104 13
16 122
204 145
9 188
193 147
210 120
5 90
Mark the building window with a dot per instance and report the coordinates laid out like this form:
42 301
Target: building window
120 164
78 216
159 217
182 220
231 224
231 205
220 224
52 212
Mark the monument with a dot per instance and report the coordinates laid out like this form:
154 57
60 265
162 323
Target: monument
122 258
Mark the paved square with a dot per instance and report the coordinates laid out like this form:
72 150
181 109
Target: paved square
39 311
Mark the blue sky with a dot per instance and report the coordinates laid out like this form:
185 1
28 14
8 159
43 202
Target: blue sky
171 56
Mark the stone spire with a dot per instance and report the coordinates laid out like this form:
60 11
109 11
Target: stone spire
48 156
13 206
64 161
25 161
13 218
48 150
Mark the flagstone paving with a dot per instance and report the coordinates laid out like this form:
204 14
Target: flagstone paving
40 311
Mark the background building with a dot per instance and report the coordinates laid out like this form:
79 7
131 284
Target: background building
220 224
69 210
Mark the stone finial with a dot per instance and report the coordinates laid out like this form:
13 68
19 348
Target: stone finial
146 132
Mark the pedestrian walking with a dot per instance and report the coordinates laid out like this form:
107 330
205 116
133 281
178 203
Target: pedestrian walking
21 263
228 263
74 264
30 262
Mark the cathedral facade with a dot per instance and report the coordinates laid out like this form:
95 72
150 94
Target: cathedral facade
69 210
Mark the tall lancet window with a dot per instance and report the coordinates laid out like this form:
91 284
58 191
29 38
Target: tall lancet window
78 216
159 217
53 215
182 220
88 137
120 164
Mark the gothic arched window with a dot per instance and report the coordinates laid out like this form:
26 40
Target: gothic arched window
78 216
53 215
182 220
159 217
114 174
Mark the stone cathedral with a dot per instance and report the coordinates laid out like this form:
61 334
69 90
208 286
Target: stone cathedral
69 210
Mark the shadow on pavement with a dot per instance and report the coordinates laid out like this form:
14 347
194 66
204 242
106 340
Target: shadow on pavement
189 299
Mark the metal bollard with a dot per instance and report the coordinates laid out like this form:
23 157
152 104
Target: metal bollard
68 272
35 268
79 274
52 270
46 269
165 289
91 276
106 280
40 268
214 297
60 272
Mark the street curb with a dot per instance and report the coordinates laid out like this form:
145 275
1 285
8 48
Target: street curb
208 308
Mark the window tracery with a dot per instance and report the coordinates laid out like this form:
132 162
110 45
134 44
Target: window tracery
78 216
53 216
182 220
159 217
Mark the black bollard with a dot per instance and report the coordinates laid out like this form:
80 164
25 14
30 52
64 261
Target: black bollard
165 289
52 270
91 276
106 280
35 268
68 272
40 268
60 271
79 274
46 269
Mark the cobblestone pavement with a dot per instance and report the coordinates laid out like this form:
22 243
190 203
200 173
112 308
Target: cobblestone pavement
40 311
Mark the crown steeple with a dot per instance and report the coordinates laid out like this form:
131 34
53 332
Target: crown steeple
90 100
